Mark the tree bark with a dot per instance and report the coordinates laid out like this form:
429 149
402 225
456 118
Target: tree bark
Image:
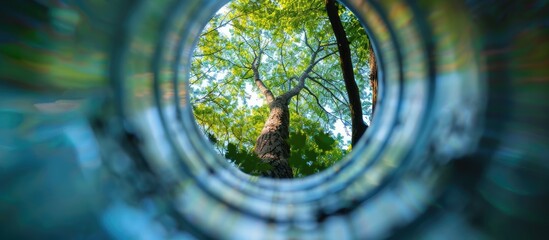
272 144
346 63
373 76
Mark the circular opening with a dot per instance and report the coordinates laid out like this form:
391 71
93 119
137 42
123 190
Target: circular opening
283 89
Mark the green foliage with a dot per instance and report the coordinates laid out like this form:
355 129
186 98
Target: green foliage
312 148
229 107
245 160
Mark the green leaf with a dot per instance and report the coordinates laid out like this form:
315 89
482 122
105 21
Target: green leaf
324 141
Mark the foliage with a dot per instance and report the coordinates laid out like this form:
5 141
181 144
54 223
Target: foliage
228 106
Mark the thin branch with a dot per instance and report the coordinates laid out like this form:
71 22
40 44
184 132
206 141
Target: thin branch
229 61
319 103
326 56
208 54
328 44
199 77
329 91
329 82
248 43
307 40
282 56
262 87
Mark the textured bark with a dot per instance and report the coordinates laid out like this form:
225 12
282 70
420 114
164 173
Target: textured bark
373 77
346 63
272 144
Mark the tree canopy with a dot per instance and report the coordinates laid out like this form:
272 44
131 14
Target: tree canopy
282 40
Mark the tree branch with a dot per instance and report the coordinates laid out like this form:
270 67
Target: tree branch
229 61
282 56
331 84
317 100
208 54
307 41
329 91
294 91
258 82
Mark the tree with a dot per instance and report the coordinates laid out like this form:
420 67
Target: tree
346 63
284 49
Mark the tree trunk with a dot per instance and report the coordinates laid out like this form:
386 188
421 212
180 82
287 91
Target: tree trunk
346 63
272 144
373 76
